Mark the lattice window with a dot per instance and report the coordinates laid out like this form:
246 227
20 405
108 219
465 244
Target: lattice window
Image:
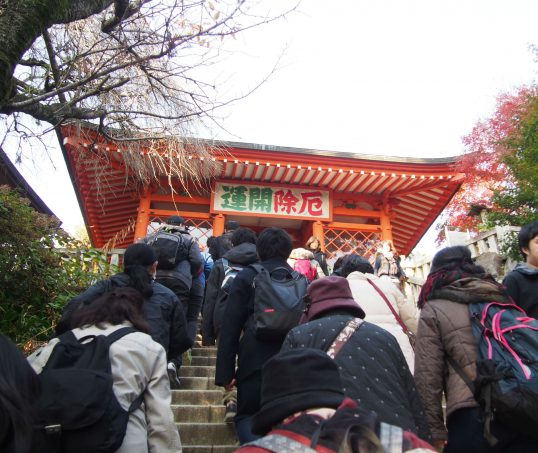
340 242
201 229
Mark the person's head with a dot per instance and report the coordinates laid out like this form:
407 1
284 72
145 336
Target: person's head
113 307
140 264
231 225
175 220
294 381
528 243
457 258
19 387
242 235
388 246
313 243
327 295
273 243
355 263
337 266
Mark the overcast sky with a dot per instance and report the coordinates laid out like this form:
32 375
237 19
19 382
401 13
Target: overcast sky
392 77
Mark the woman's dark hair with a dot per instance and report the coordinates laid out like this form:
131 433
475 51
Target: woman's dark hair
273 243
136 262
19 387
242 235
113 307
355 263
525 236
457 258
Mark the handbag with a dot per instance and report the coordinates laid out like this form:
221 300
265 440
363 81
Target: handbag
410 335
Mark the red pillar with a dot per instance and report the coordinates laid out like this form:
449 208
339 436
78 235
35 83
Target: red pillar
218 225
142 219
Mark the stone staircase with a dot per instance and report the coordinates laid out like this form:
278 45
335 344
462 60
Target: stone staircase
197 406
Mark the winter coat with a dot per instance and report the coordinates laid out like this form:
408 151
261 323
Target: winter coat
304 428
372 367
138 364
237 338
445 330
522 286
214 301
377 311
163 312
305 254
320 257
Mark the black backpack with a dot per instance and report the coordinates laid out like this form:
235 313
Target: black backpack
278 302
171 248
77 408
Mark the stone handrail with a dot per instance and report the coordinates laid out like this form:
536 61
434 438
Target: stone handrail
485 243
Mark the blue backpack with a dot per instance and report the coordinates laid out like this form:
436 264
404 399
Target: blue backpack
506 384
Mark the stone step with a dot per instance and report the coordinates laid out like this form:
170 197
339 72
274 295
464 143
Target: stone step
198 383
200 397
197 371
210 448
204 352
202 361
207 433
184 413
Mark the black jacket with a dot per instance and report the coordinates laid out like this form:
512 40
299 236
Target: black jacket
214 301
320 257
522 286
372 367
252 353
162 310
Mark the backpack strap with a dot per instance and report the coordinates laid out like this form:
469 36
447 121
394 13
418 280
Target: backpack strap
117 334
113 337
345 334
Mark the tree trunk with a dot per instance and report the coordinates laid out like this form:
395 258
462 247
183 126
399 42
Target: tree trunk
22 21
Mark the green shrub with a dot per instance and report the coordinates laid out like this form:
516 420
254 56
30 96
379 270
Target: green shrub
41 268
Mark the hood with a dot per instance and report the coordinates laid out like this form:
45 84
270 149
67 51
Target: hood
471 290
300 253
525 269
244 254
120 280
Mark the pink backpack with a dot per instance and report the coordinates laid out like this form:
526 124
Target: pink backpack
304 266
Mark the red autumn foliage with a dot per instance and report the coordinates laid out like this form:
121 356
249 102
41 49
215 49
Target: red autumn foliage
482 161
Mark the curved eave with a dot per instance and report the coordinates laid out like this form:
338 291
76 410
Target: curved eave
417 189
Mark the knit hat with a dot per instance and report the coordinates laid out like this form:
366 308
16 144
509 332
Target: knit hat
294 381
139 254
231 225
175 220
329 293
451 258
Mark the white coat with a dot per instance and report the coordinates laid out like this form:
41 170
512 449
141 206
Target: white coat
137 363
377 311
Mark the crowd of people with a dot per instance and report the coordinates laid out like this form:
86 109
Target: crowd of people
309 358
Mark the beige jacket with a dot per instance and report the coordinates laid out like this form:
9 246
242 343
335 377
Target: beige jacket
137 362
445 329
377 311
